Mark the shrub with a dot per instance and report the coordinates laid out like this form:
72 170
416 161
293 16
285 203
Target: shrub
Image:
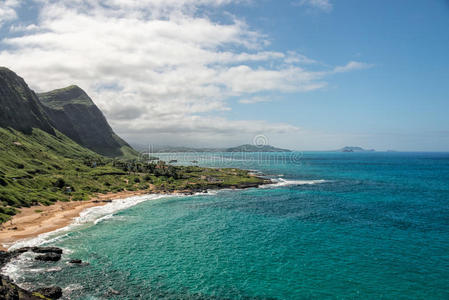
60 183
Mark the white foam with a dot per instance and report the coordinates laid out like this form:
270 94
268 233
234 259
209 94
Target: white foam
107 217
91 215
14 269
72 287
283 182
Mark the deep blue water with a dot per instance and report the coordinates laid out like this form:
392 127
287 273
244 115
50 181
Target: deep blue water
368 225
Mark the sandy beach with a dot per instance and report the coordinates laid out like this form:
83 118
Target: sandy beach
35 220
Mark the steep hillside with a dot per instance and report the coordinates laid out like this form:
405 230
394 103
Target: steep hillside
32 163
73 112
19 106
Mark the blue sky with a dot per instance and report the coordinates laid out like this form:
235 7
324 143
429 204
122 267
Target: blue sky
322 74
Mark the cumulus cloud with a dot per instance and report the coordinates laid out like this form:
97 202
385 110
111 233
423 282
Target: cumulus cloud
158 66
8 10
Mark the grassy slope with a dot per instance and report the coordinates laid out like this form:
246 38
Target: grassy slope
51 99
36 169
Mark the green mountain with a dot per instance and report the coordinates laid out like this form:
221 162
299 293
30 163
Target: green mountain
19 106
72 112
253 148
32 152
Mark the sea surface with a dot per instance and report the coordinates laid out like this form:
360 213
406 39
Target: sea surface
333 226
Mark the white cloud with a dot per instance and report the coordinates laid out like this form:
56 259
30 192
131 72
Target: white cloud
352 66
158 65
324 5
8 10
255 99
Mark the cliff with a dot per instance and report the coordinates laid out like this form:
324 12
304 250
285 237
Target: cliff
73 112
19 106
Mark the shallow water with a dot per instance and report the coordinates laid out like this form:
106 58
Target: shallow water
336 225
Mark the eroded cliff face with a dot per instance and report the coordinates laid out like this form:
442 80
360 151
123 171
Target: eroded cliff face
19 106
72 112
69 110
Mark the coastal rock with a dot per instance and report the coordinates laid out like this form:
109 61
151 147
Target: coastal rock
49 257
11 291
76 261
53 292
22 250
47 250
6 256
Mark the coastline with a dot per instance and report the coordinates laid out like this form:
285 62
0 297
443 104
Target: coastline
36 220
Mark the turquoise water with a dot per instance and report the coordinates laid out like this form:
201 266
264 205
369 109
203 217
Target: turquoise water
337 225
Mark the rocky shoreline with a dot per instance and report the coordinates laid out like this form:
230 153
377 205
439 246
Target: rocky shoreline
11 291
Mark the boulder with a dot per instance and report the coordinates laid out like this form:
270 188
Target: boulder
22 250
49 257
53 292
47 250
76 261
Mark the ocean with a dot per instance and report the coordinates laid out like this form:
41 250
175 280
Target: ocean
332 226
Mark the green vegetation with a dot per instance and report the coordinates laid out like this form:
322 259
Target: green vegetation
54 152
40 169
56 99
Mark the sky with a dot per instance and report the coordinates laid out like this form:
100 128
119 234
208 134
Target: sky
303 74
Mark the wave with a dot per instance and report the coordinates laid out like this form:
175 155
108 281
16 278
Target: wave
284 182
23 263
90 215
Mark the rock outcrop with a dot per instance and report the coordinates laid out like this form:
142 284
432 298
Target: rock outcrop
11 291
53 292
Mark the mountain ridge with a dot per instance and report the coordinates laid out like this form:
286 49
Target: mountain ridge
74 113
20 107
68 110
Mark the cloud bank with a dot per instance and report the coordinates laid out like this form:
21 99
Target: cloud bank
158 66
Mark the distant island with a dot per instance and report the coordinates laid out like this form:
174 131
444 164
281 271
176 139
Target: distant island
255 148
241 148
354 149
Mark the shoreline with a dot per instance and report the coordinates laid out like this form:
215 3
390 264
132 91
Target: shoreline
36 220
